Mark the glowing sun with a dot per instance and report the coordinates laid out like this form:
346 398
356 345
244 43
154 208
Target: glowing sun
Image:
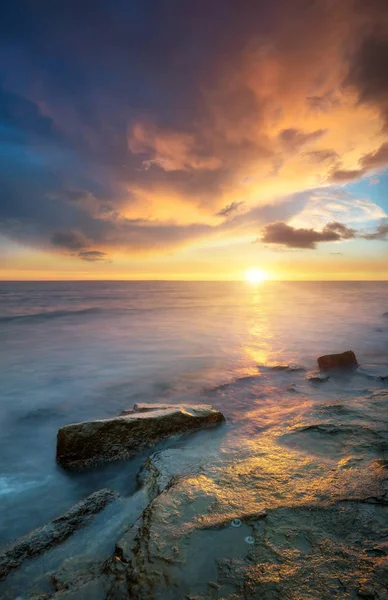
254 275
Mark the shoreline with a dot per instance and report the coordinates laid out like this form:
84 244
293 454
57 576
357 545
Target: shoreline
294 510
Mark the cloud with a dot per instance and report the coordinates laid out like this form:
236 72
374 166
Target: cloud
369 65
22 120
76 195
229 209
344 233
75 241
369 162
325 205
322 103
346 175
109 142
285 235
93 256
381 233
69 240
321 156
293 139
377 159
171 151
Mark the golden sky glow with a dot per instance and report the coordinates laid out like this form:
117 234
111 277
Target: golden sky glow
262 144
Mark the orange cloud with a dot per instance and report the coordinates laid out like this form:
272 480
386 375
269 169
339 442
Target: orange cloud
172 151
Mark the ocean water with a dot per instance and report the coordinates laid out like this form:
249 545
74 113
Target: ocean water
72 351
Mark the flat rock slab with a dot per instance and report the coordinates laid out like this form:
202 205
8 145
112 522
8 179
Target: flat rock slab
194 542
55 532
86 444
344 361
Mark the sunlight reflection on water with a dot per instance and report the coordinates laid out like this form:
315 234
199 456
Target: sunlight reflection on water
87 350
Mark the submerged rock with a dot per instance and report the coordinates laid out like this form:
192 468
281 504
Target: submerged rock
379 395
293 368
93 442
346 360
293 388
55 532
317 377
385 315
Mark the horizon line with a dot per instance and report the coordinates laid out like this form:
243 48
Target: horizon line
192 281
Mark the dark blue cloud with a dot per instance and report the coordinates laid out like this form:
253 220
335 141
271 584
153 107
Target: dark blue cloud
76 75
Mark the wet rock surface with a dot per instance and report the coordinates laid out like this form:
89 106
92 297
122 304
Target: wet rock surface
344 361
183 548
317 377
297 509
304 514
87 444
55 532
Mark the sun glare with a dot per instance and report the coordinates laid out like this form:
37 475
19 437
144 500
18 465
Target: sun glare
254 275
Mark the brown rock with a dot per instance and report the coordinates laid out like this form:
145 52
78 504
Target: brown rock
85 444
347 360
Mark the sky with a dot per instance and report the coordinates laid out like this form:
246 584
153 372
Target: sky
180 139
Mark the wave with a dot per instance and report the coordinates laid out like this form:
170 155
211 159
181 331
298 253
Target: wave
10 486
281 367
51 314
235 381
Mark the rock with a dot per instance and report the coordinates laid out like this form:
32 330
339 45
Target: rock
385 315
93 590
347 439
346 360
379 395
293 388
89 443
350 462
366 592
185 547
143 407
317 377
55 532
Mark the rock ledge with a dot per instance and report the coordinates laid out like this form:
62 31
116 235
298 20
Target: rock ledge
86 444
55 532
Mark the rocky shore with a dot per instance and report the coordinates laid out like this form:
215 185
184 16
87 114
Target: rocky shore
297 510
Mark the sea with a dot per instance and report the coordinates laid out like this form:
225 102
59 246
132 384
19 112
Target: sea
75 351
